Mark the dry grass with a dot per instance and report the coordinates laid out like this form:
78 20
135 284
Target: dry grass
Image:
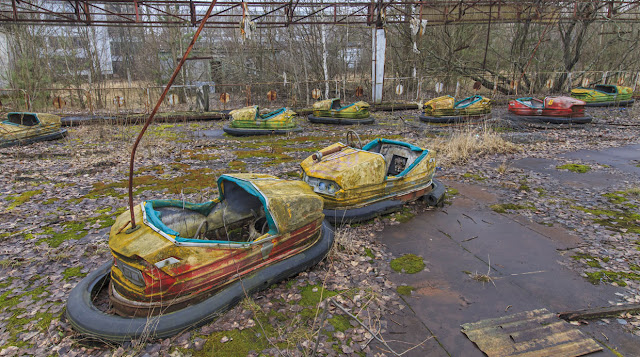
461 147
343 243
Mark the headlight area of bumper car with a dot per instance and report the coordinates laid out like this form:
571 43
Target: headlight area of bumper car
358 184
330 111
188 263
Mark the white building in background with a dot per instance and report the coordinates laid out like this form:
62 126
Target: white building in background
4 59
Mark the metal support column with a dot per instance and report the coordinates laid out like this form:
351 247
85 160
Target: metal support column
379 46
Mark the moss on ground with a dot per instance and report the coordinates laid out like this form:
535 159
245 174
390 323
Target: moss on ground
578 168
311 297
452 191
616 197
197 179
405 290
19 320
236 165
474 176
408 263
73 272
76 229
590 260
369 253
626 221
404 215
21 198
611 277
340 322
541 191
240 342
503 207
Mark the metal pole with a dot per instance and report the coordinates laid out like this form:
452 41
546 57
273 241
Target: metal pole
153 113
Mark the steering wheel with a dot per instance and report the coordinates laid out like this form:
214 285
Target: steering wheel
351 136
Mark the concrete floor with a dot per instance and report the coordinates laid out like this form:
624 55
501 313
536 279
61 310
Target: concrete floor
524 259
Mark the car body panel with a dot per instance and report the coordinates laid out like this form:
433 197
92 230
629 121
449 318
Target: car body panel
603 93
177 267
448 106
367 175
331 108
27 127
250 118
550 106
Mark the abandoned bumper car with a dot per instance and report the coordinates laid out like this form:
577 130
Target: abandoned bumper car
361 183
249 121
187 263
554 110
445 109
331 112
604 95
25 128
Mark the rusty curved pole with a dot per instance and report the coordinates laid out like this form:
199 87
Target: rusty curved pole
155 109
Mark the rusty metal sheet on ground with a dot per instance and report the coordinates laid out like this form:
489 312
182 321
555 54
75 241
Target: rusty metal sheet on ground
529 333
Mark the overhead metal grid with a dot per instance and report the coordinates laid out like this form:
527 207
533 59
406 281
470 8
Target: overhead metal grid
229 14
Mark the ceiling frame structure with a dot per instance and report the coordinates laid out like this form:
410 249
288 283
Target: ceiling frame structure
228 14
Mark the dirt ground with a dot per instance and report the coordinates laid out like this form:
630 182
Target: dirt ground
59 199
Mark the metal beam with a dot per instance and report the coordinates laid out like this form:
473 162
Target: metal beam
281 13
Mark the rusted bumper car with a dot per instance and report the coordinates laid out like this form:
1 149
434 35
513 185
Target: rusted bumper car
445 109
554 110
359 182
331 112
22 128
249 121
604 95
187 263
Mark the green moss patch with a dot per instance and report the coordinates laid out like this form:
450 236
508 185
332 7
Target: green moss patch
76 229
21 198
340 322
73 272
578 168
17 322
611 277
626 221
405 290
408 263
404 215
590 260
236 165
369 253
474 176
503 207
311 297
196 179
615 197
240 342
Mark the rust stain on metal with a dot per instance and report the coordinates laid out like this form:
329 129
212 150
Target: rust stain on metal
224 97
315 94
529 333
59 102
272 95
359 91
